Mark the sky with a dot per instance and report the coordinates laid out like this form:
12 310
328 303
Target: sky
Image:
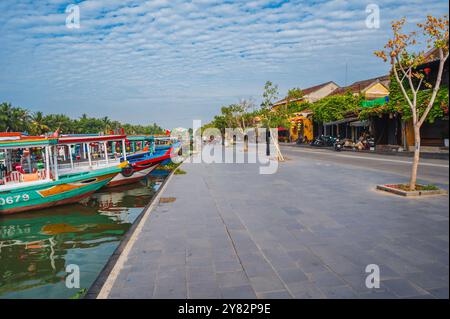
173 61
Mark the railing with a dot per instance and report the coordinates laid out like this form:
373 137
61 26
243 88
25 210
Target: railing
18 177
85 164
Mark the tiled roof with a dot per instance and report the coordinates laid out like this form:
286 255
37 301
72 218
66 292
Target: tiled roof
360 86
306 91
315 88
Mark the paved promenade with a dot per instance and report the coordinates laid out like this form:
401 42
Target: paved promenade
308 231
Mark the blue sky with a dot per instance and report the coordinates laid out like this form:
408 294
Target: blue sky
172 61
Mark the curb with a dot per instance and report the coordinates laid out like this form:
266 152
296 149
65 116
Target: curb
425 155
403 193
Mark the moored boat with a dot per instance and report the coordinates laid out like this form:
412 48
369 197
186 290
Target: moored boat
139 166
30 178
85 152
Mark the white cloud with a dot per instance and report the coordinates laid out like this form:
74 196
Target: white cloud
156 56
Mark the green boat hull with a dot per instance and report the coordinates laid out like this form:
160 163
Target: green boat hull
68 189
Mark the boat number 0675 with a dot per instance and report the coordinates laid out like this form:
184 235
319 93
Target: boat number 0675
14 199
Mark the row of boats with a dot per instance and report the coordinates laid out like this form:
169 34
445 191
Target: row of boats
38 172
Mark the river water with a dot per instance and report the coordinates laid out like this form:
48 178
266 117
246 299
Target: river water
36 247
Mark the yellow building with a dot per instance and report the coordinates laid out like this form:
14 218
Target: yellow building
301 126
301 122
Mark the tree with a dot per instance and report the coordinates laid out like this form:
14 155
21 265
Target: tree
106 124
17 119
62 122
270 94
244 117
271 117
294 99
410 79
220 123
38 125
334 107
5 113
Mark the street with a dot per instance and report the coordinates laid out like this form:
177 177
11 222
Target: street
311 230
430 170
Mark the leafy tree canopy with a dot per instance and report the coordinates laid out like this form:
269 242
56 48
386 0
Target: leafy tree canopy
17 119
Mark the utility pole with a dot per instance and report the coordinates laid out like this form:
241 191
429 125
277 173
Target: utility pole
346 73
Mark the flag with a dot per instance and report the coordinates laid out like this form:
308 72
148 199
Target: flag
56 133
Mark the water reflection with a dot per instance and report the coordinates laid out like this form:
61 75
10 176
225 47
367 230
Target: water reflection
36 247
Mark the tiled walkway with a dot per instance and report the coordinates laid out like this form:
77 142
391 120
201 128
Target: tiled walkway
308 231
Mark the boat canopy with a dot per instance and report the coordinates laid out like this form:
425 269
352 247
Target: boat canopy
140 138
77 139
18 140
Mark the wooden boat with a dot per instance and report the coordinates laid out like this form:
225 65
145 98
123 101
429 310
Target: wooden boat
139 166
137 150
40 185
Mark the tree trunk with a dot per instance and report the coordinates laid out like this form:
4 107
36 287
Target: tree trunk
280 156
415 165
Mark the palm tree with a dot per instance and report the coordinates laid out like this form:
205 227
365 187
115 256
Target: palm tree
38 125
5 113
19 119
106 124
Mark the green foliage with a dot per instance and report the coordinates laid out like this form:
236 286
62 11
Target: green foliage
179 171
233 116
419 187
332 108
270 94
294 94
13 118
279 117
295 107
80 294
169 166
398 104
21 120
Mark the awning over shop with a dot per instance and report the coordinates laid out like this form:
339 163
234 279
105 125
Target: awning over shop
345 120
359 124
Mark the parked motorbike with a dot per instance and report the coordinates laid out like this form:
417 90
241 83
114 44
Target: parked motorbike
324 140
338 145
370 142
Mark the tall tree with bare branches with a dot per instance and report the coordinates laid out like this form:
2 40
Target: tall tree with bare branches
405 63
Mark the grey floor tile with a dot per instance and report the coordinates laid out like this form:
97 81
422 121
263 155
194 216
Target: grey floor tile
227 266
200 274
440 293
290 275
326 279
306 290
203 291
254 269
402 288
240 292
282 294
232 279
378 294
339 292
266 283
